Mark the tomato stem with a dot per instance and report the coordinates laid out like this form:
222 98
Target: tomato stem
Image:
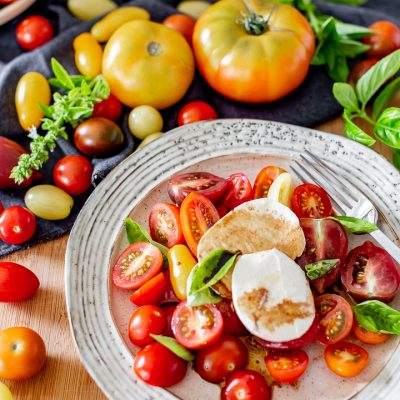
255 24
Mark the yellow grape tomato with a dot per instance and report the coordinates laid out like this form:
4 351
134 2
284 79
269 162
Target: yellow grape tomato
149 139
193 8
144 121
5 393
86 10
282 189
88 55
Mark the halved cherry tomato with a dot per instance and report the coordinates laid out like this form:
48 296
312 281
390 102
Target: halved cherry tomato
384 40
152 292
311 201
110 108
335 318
33 32
370 273
264 180
169 312
1 207
238 190
209 185
197 327
165 224
287 366
222 210
232 323
17 225
198 215
346 359
196 111
137 264
369 337
181 23
246 385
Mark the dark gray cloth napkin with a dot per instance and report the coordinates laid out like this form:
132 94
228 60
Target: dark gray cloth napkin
310 104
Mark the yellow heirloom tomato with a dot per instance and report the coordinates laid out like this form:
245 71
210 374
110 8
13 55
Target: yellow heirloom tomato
148 63
32 89
88 55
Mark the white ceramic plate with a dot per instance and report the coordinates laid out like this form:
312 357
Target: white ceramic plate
99 312
14 9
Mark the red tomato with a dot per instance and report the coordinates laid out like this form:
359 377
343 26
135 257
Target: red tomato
17 225
335 318
1 207
110 108
165 224
6 1
33 32
197 327
232 323
368 337
169 312
238 190
144 321
196 111
370 273
246 385
311 201
159 366
287 366
152 292
17 283
264 180
73 174
169 295
181 23
137 264
222 210
209 185
198 215
384 40
360 69
346 359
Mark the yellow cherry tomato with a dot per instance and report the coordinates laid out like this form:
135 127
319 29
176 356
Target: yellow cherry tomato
32 89
181 263
144 120
282 189
193 8
89 9
88 55
103 29
148 63
148 139
5 393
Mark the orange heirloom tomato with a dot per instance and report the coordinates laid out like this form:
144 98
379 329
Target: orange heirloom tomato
148 63
88 54
255 51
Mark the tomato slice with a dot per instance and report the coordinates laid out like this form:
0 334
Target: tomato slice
346 359
165 224
335 318
287 366
197 327
222 210
264 180
370 273
137 264
198 215
209 185
152 292
369 337
232 324
311 201
238 190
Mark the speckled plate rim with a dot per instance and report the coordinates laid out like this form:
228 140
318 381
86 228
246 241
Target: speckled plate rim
100 346
14 9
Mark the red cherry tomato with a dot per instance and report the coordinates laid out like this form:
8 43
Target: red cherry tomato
169 295
222 210
232 323
152 292
264 180
33 32
1 207
169 312
194 112
17 225
137 264
384 40
311 201
110 108
181 23
360 69
368 337
246 385
287 366
238 190
6 1
197 327
73 174
159 366
144 321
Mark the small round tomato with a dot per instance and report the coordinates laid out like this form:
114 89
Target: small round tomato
336 318
370 273
264 180
238 190
144 121
368 337
246 385
287 366
346 359
144 321
152 292
73 174
194 112
159 366
360 69
197 327
109 108
165 224
33 32
22 353
169 312
137 264
311 201
181 23
5 393
232 323
384 40
198 215
17 225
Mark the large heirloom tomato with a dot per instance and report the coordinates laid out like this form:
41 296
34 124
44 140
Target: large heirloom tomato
148 63
254 51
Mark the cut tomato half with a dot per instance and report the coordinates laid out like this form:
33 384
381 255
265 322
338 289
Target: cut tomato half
152 292
264 180
238 190
311 201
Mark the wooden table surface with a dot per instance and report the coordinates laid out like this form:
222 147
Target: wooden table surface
64 377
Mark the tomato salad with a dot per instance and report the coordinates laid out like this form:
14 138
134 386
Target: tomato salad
192 277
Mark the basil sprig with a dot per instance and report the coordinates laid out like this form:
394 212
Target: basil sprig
355 225
171 344
320 268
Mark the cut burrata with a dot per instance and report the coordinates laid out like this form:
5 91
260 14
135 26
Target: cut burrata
271 296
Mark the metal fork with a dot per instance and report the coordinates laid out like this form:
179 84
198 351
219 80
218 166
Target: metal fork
348 200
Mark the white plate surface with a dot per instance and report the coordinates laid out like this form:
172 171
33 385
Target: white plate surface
14 9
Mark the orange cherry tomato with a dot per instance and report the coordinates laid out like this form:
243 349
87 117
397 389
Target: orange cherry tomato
181 23
152 292
88 54
264 180
368 337
384 40
360 69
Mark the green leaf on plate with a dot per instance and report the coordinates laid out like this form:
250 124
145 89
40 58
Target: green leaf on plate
171 344
355 225
320 268
385 97
346 96
356 133
387 128
396 158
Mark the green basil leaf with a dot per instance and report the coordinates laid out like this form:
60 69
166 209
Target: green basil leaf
320 268
355 225
61 74
377 316
47 110
352 31
355 133
339 70
171 344
396 158
387 128
385 97
347 2
350 48
346 96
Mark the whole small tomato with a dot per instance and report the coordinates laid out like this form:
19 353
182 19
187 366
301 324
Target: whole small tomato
196 111
110 108
248 385
144 121
5 393
181 23
384 40
360 69
33 32
232 323
17 225
88 55
22 353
